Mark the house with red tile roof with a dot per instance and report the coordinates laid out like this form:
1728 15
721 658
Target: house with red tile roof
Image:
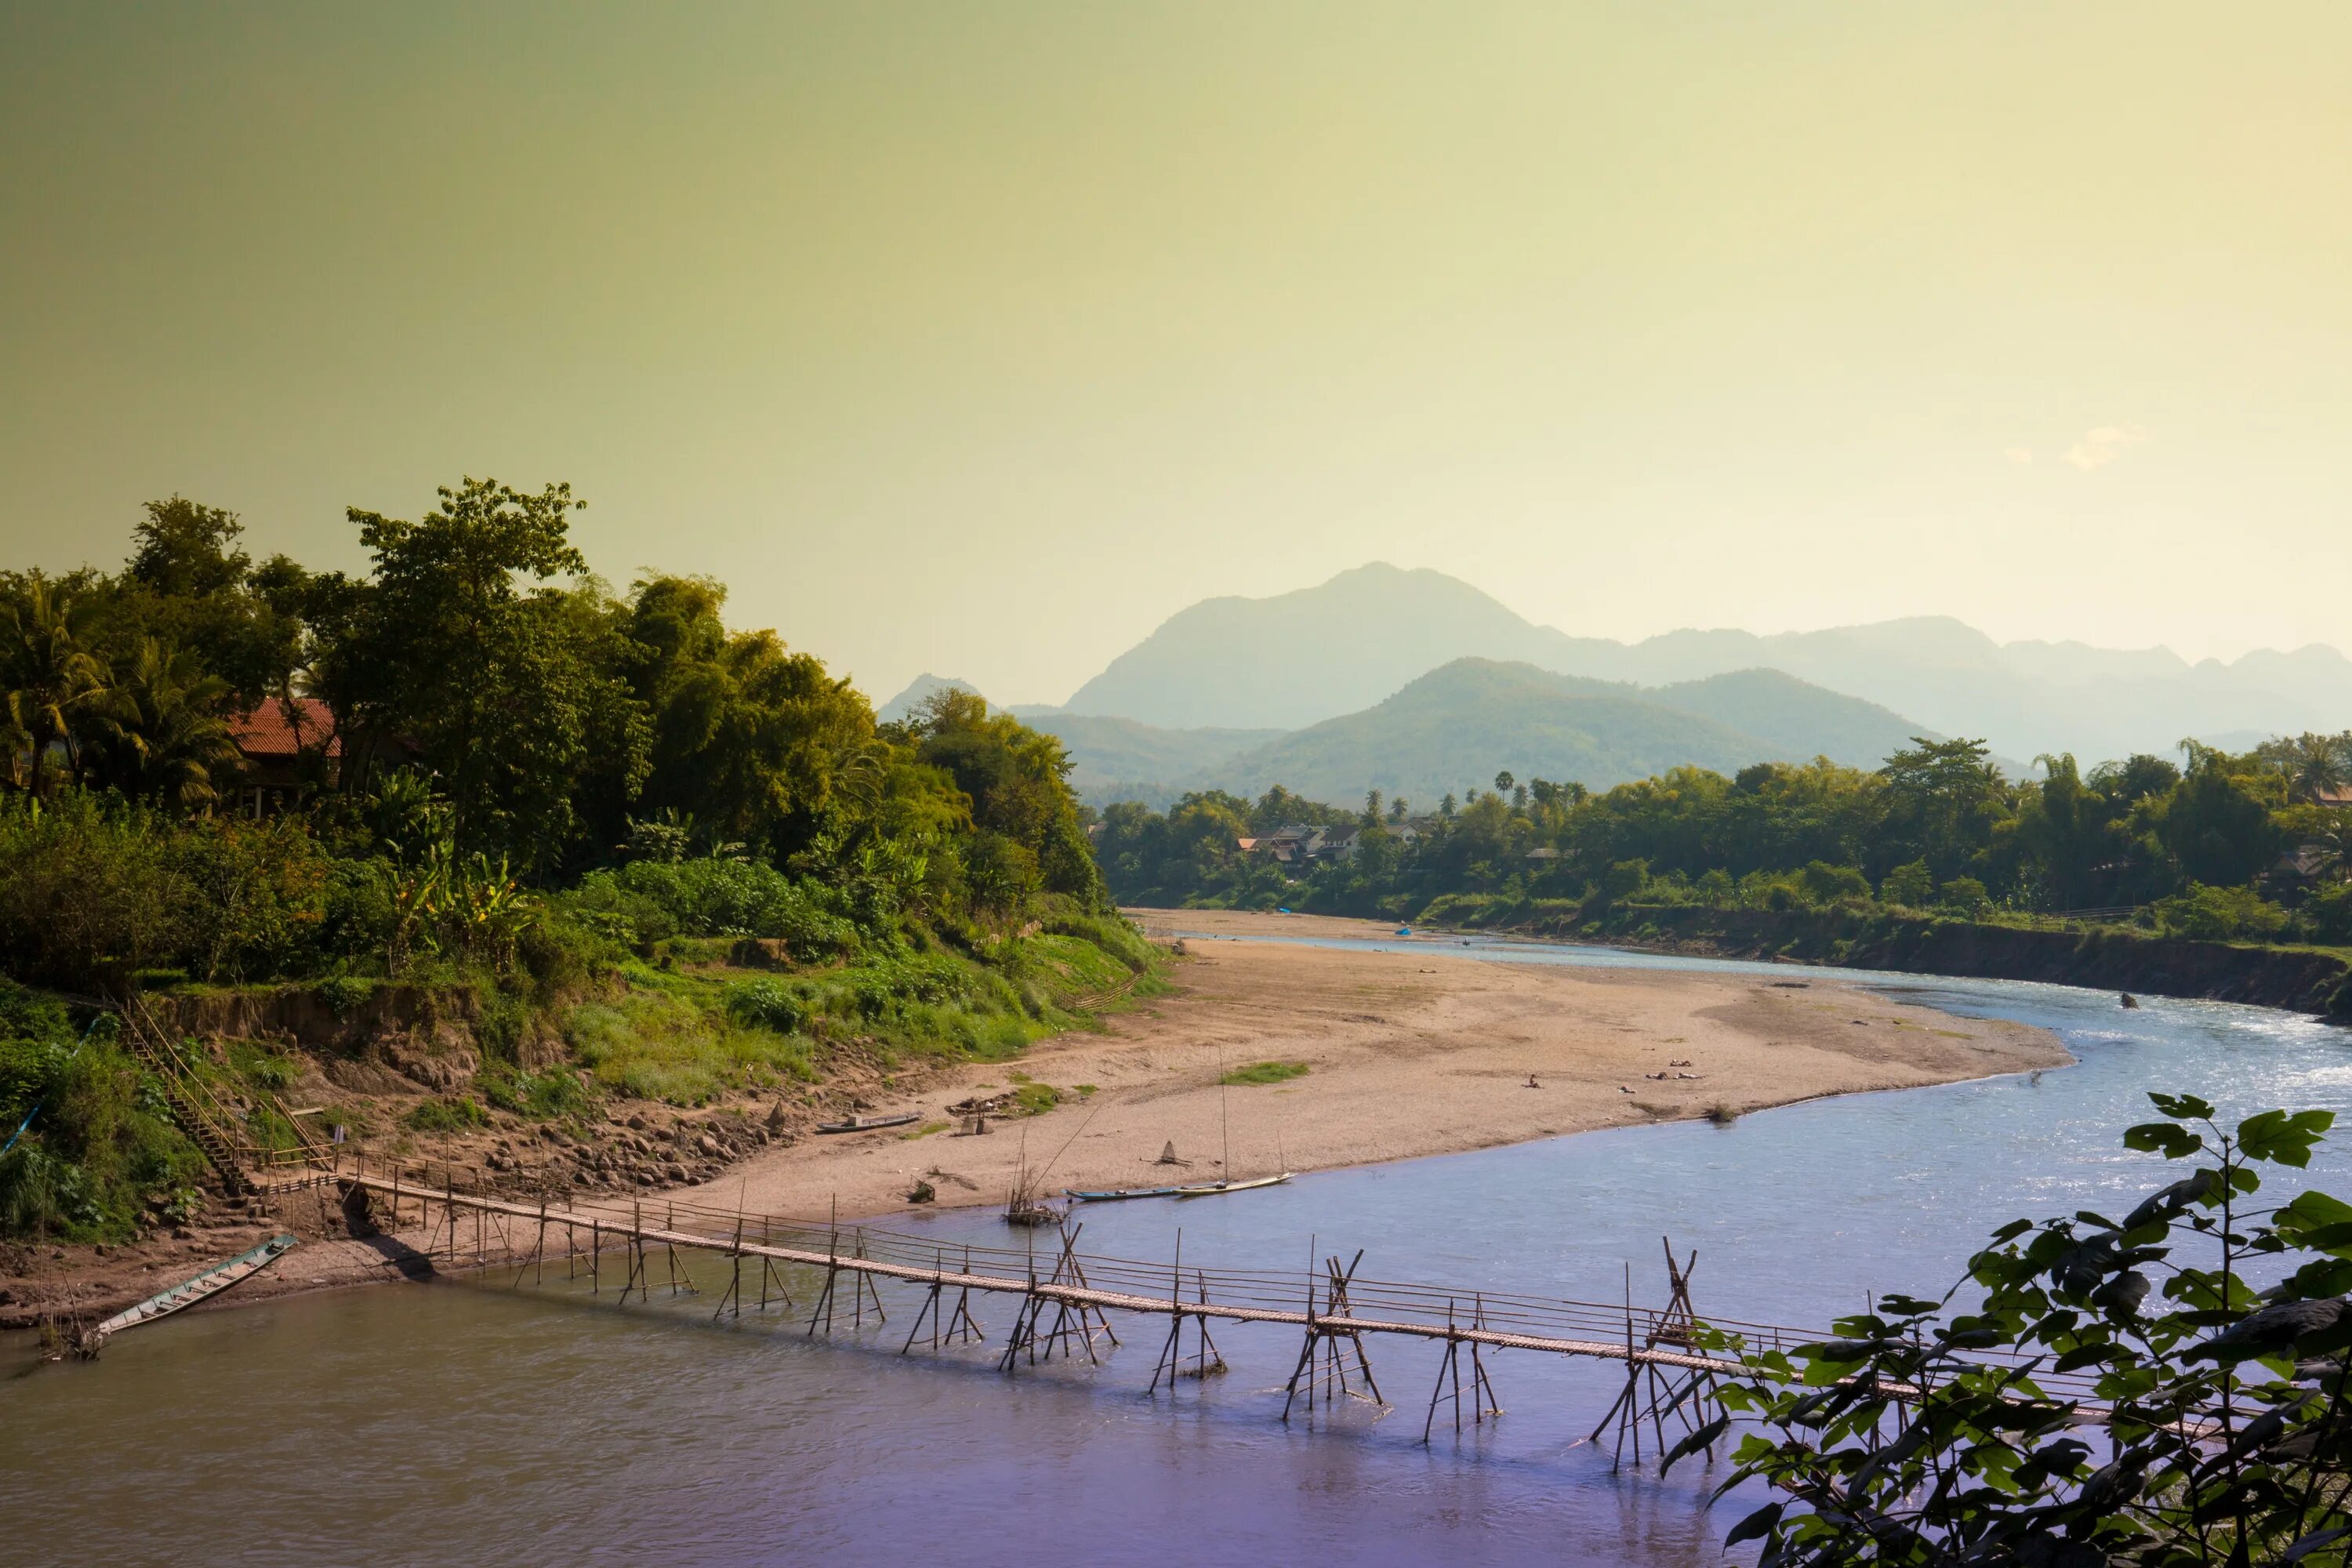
284 746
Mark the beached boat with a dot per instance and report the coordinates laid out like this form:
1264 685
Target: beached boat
188 1292
1211 1189
1114 1195
867 1123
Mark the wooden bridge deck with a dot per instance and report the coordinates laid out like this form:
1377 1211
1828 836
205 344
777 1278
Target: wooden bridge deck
1669 1377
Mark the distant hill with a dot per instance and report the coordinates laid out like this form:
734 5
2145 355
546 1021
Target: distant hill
1298 658
1454 729
1119 759
919 691
1796 718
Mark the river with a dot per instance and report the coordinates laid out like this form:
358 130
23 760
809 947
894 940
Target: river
469 1422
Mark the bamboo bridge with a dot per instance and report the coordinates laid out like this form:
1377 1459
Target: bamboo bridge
1064 1299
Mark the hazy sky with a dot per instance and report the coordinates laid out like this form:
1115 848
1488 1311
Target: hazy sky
982 338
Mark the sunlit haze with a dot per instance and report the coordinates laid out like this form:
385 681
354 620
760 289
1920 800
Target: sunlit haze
981 340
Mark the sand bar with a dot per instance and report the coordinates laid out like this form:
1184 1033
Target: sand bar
1424 1052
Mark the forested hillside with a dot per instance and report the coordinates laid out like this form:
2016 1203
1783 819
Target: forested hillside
1461 724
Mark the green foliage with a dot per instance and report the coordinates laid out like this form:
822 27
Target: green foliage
1928 1433
1264 1072
2326 916
449 1113
2219 914
767 1005
1910 884
552 1095
92 888
1938 827
658 899
102 1138
1034 1098
1967 897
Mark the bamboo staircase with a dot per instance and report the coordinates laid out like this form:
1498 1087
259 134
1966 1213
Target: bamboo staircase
211 1122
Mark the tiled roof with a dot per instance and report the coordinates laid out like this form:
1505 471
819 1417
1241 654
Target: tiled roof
269 732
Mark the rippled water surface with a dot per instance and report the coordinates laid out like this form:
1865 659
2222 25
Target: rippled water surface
473 1422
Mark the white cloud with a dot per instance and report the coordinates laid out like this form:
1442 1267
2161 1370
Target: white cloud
2102 445
2018 454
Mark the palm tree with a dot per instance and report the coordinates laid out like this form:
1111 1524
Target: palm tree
160 731
2317 764
53 677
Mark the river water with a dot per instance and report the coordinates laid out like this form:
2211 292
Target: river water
469 1422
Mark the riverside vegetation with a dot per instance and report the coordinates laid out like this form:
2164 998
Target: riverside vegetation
2212 1326
2248 848
551 848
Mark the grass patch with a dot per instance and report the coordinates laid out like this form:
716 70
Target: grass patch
1035 1098
927 1128
660 1045
452 1113
1264 1072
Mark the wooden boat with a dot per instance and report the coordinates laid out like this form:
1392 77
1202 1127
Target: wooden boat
867 1123
1211 1189
189 1291
1114 1195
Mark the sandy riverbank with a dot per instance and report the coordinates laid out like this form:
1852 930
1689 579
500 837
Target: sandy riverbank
1411 1054
1407 1053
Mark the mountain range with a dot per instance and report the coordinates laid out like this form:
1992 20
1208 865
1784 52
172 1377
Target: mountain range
1299 658
1455 727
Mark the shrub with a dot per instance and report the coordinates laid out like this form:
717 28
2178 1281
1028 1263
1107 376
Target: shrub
543 1095
2219 914
1266 1072
658 899
1911 885
103 1136
767 1005
1966 897
451 1114
2327 916
1827 884
343 994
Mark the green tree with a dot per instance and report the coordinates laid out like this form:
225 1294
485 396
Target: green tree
1910 884
50 670
1944 797
509 686
2217 824
2061 831
159 735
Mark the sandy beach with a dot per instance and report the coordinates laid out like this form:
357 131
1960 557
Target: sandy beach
1411 1054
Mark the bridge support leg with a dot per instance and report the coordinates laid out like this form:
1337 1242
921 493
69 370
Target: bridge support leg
962 1327
929 1308
823 1307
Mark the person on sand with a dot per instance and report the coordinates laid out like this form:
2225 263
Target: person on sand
1531 1082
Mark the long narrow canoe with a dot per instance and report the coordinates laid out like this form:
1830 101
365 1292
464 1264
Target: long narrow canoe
190 1291
1211 1189
1115 1194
